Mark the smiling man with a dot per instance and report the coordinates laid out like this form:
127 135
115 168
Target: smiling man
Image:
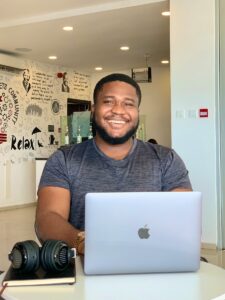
115 116
114 160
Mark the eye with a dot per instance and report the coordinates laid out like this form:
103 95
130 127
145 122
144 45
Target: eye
108 101
130 104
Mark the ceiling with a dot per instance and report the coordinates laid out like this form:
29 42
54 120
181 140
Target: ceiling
100 28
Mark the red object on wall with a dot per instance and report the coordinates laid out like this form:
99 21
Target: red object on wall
3 137
203 113
60 75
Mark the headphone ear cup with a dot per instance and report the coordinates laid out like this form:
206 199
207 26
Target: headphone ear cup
55 256
25 256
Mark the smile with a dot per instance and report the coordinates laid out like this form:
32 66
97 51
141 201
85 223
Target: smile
116 121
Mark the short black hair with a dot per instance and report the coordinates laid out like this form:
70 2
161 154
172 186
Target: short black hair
26 71
117 77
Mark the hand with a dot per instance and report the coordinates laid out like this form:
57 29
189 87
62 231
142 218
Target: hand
80 242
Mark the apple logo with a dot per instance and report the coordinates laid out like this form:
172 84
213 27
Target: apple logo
143 232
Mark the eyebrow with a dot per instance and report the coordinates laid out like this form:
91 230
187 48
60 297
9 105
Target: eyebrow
126 98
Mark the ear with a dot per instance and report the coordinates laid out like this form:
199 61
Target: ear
92 108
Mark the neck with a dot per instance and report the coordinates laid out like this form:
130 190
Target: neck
117 152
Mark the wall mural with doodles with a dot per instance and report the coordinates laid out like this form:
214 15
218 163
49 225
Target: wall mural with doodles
31 104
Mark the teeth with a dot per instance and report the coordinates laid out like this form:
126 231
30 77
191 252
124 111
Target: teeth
116 122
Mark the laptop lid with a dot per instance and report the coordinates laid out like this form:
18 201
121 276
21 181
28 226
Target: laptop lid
142 232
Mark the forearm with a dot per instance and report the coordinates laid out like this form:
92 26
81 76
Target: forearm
181 190
53 209
51 225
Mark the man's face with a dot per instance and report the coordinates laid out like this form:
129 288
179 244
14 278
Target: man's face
115 113
26 76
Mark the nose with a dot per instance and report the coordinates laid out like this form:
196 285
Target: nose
118 108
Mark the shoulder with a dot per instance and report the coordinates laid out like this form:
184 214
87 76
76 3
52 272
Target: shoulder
164 155
75 150
66 157
154 150
173 170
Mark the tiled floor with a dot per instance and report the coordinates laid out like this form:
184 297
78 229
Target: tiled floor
15 225
18 225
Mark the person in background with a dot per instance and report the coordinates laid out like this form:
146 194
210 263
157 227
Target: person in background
113 161
65 86
26 78
153 141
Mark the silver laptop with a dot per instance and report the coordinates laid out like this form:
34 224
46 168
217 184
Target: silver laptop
142 232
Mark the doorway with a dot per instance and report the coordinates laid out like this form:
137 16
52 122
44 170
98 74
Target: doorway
79 119
75 105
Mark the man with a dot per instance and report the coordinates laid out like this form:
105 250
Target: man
65 86
26 78
113 161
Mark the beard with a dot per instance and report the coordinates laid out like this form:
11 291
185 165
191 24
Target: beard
108 138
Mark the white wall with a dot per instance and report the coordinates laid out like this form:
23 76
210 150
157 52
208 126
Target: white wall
193 87
156 106
155 103
221 113
17 183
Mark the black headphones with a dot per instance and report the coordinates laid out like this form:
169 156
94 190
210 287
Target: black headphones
53 256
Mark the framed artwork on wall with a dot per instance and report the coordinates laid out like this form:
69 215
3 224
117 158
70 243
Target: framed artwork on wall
142 74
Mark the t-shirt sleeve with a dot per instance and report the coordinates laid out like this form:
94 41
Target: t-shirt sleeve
55 172
174 172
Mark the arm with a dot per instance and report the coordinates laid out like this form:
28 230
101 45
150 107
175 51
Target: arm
52 215
181 190
175 174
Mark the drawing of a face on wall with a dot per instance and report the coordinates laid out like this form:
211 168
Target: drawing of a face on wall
55 107
65 86
26 78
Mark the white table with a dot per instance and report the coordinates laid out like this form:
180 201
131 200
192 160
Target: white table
206 284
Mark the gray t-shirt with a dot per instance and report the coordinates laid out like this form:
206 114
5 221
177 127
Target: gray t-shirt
83 168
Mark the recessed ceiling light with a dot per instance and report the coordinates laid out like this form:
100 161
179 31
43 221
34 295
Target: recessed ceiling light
98 68
124 48
68 28
166 13
52 57
164 61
